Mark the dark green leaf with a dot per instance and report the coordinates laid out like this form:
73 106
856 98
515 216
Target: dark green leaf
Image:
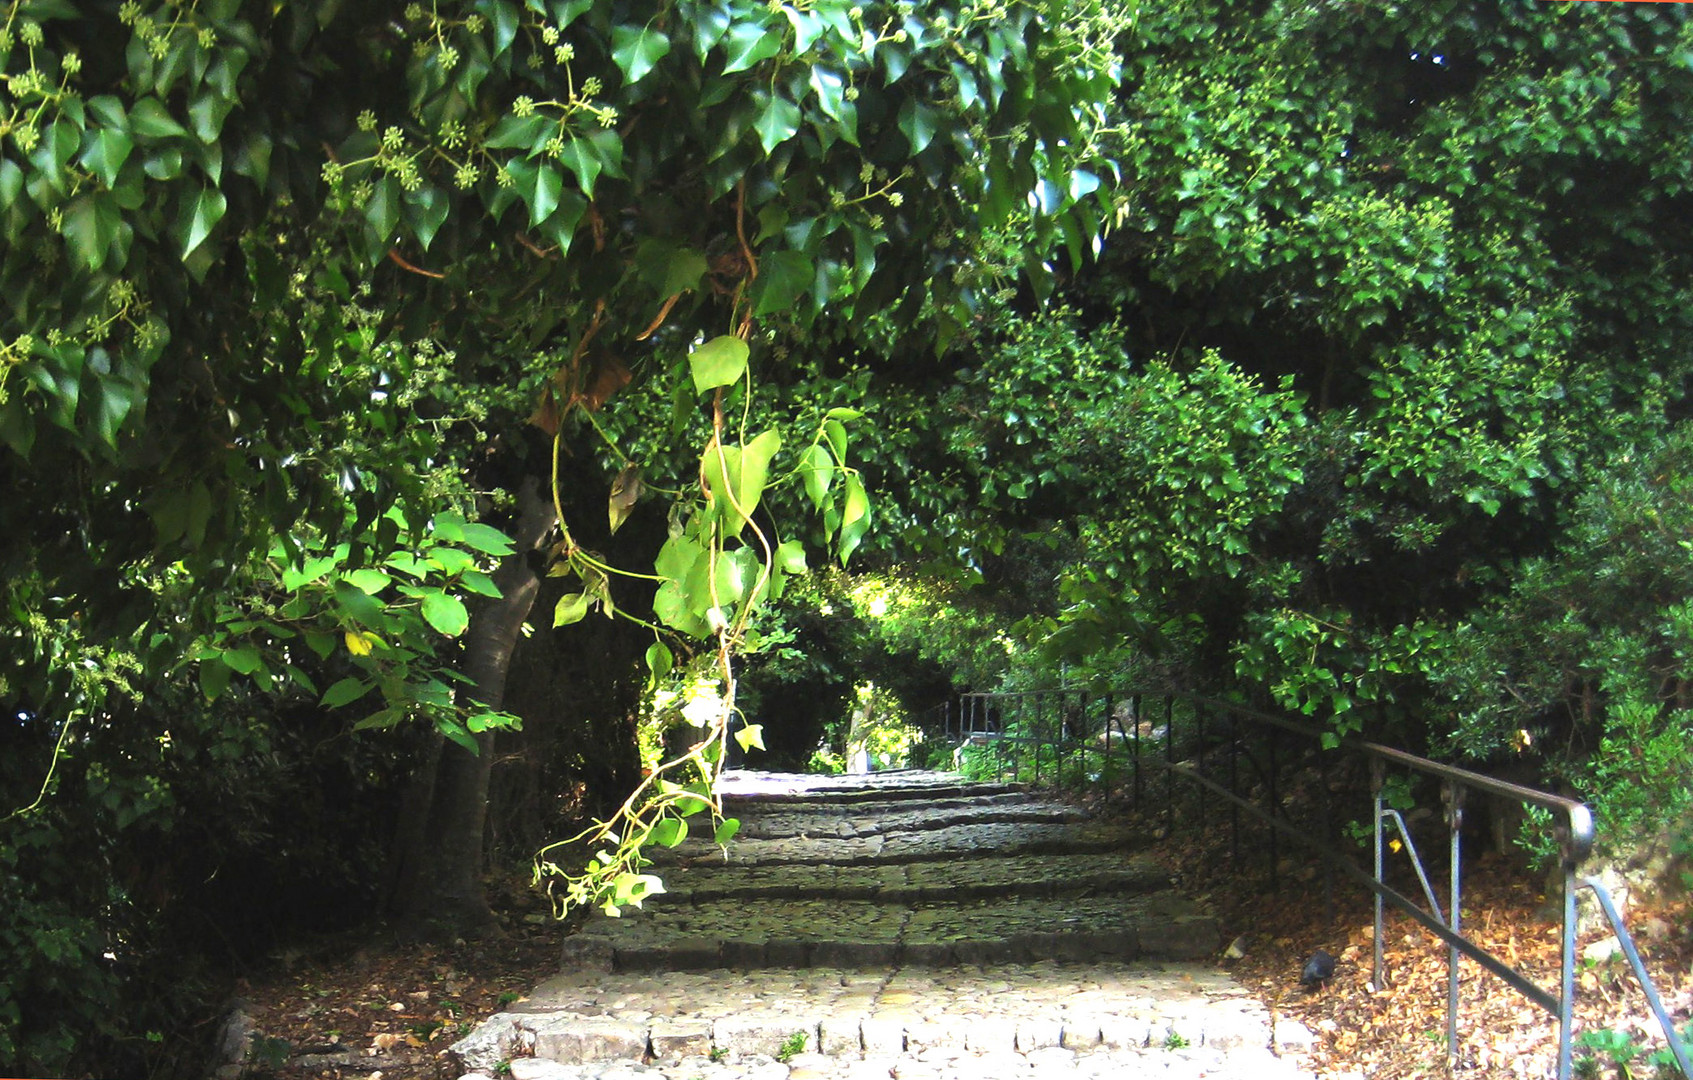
777 122
200 214
748 44
783 278
636 50
151 120
345 692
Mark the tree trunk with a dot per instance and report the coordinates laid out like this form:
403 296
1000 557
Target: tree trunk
439 890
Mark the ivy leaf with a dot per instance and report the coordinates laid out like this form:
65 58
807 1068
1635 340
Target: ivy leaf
719 362
115 400
830 88
782 279
429 211
544 196
748 44
382 212
670 831
636 50
751 737
92 224
777 123
106 153
726 830
919 123
151 120
519 132
199 215
581 158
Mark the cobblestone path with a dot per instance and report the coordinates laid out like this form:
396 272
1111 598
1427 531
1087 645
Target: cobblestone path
899 925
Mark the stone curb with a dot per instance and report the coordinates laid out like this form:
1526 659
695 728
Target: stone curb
572 1039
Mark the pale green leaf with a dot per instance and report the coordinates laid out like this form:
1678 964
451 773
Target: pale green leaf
571 608
790 557
817 472
751 737
719 362
368 580
446 613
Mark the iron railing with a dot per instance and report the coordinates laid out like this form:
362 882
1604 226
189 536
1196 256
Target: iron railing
1248 759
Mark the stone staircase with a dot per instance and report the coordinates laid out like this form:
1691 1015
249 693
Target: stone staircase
902 924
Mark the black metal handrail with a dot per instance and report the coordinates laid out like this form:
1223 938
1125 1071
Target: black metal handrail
1105 735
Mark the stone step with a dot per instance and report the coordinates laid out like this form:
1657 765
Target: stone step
777 820
745 787
860 934
908 883
788 818
972 840
1022 1014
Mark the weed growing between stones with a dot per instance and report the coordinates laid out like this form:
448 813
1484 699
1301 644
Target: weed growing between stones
792 1046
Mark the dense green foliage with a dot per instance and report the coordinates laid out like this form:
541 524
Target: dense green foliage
1391 296
287 285
1322 353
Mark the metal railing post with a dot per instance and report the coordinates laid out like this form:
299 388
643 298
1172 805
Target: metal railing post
1566 978
1455 917
1377 770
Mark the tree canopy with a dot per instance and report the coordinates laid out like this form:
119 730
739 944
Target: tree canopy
1317 353
286 286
